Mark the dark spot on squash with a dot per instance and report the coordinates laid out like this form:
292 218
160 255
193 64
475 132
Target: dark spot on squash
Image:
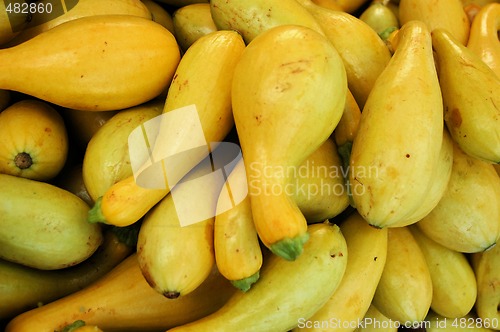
23 160
455 118
171 294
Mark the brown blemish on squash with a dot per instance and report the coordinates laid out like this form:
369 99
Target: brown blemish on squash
455 118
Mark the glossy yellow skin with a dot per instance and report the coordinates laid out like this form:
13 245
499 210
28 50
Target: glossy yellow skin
24 288
286 291
106 160
404 292
477 133
251 18
483 37
236 244
380 17
439 183
44 226
392 166
43 21
35 130
367 247
123 301
281 75
174 259
445 14
466 217
454 288
192 22
363 52
200 79
487 270
125 203
89 66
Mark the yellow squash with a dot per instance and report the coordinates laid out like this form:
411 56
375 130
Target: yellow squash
175 259
122 301
471 109
44 226
367 247
466 218
380 17
238 254
192 22
453 281
483 37
487 269
318 190
287 292
288 94
44 20
439 183
106 160
363 52
445 14
175 247
33 140
392 165
23 288
201 79
160 14
404 292
252 17
86 63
